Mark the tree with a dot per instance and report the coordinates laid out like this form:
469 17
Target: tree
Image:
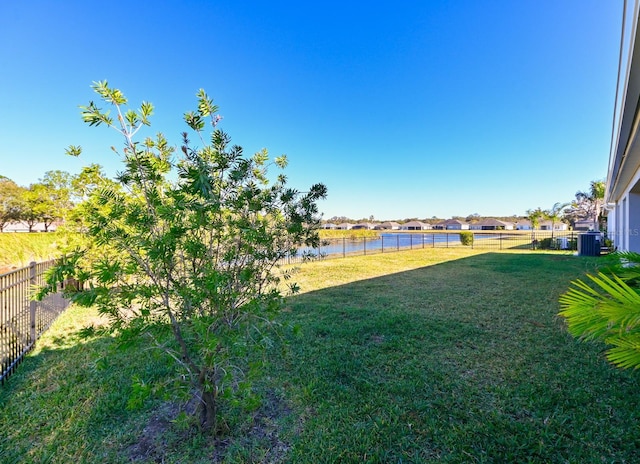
58 192
199 253
534 216
555 214
11 201
48 200
588 205
83 184
37 206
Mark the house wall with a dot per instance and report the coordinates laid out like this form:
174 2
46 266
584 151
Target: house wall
624 220
634 221
622 195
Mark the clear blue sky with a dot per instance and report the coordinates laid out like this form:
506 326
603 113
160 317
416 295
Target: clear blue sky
403 109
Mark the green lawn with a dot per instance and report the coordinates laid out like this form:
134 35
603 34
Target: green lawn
445 355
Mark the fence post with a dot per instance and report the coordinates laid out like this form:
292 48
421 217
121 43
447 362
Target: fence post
365 245
397 243
32 303
447 235
501 240
344 247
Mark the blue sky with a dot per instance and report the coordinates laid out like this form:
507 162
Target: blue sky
403 109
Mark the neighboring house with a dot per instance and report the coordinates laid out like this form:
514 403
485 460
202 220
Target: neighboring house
329 226
491 224
344 226
558 225
622 192
415 225
389 225
363 226
452 224
524 224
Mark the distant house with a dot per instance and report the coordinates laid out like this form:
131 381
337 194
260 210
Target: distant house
415 225
547 225
344 226
363 226
389 225
524 224
491 224
452 224
329 226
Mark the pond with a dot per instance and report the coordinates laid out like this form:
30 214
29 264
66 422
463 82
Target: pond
385 242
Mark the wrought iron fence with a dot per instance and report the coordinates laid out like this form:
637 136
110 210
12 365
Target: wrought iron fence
23 320
398 241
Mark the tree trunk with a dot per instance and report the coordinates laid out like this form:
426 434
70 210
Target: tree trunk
207 410
208 406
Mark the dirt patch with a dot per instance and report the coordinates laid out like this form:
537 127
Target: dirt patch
264 433
5 269
151 444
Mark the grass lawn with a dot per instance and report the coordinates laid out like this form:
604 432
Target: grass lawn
436 355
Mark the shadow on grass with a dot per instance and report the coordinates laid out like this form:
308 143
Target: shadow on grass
462 361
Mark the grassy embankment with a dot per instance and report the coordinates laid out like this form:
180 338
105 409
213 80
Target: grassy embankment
350 234
19 249
445 355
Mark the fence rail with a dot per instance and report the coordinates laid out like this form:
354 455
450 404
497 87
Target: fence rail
23 320
391 242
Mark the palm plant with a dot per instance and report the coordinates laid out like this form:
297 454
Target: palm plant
608 309
555 214
534 216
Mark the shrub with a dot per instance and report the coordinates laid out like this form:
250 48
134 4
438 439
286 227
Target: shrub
545 243
466 238
198 253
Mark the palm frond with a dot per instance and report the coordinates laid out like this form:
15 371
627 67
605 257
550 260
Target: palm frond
609 310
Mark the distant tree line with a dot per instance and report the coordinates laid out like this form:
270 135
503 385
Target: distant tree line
587 206
51 199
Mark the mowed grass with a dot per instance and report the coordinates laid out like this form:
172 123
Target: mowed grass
445 355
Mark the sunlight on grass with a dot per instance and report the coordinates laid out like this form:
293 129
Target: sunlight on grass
427 356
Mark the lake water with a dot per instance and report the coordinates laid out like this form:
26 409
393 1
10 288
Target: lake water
385 242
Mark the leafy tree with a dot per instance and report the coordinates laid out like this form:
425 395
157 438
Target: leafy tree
199 253
11 201
37 206
47 200
608 309
84 183
588 205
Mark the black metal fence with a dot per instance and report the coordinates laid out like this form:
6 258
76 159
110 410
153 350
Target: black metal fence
399 241
23 320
